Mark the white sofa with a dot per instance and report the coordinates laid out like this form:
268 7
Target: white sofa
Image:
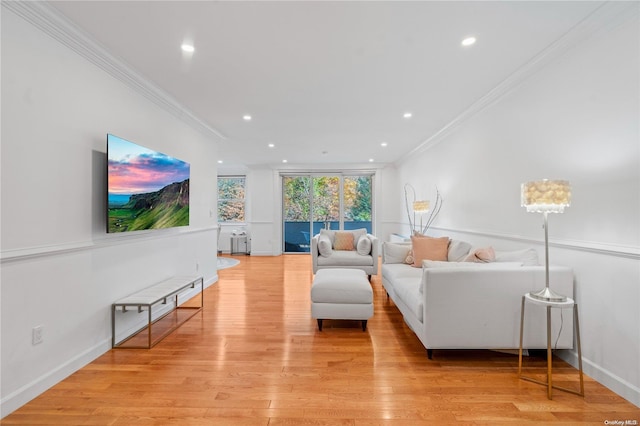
463 305
363 255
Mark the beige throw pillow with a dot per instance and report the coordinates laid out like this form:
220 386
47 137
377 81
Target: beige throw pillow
427 248
481 255
343 241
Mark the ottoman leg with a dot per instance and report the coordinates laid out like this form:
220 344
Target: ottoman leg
320 324
364 325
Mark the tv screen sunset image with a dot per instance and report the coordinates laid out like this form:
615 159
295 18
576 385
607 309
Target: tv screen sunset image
147 189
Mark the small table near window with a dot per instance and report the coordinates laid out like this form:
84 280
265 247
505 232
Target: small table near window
569 303
239 244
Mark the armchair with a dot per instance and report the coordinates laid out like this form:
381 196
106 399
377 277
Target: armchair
360 251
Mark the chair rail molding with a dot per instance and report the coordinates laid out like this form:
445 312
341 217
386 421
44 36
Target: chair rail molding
616 250
27 253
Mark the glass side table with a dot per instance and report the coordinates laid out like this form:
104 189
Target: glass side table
569 303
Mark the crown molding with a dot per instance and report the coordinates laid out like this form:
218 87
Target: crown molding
608 15
53 23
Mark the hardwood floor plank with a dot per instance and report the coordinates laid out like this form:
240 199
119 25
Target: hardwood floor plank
254 356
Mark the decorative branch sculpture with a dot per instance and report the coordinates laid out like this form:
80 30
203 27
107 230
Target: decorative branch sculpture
410 209
433 213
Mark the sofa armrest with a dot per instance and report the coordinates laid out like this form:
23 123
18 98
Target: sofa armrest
490 299
314 252
375 250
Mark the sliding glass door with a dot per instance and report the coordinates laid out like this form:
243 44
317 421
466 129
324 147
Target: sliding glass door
296 211
314 202
357 203
325 203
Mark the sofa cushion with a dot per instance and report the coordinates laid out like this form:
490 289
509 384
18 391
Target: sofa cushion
343 241
447 264
341 286
528 257
345 258
363 246
324 245
470 265
427 248
394 271
407 289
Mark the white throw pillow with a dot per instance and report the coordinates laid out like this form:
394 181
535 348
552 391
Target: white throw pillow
329 233
395 252
458 250
357 233
324 245
363 246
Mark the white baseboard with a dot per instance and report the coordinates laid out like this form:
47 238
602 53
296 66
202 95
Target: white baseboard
606 378
26 393
31 390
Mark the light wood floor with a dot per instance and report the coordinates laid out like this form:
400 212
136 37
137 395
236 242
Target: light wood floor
254 356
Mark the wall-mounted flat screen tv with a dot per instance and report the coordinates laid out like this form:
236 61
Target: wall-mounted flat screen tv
147 189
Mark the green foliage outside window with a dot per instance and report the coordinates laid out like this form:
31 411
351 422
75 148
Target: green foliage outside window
357 198
296 199
231 198
326 198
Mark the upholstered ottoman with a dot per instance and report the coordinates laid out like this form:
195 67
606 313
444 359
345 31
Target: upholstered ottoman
341 294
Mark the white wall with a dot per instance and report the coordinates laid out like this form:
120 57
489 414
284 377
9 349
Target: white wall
60 269
264 211
575 119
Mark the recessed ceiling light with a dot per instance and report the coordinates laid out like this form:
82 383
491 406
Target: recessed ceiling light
371 160
246 117
271 145
407 115
284 161
468 41
219 161
383 144
188 48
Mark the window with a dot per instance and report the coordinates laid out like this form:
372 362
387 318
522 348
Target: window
231 198
311 202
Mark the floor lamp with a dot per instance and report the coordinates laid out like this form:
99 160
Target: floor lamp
546 196
420 207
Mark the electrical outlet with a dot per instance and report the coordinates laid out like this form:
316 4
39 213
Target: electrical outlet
37 335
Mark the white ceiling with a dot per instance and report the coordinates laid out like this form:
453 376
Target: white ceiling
326 82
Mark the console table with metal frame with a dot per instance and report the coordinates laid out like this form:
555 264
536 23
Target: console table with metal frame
147 298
